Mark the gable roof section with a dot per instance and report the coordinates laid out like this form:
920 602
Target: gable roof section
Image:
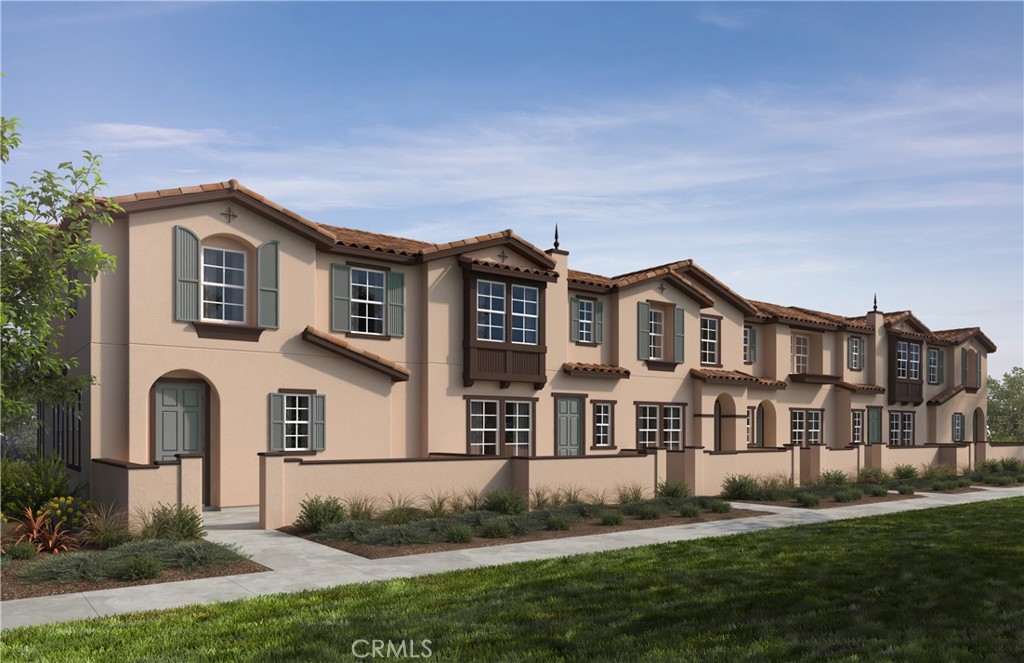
702 278
668 272
939 399
793 315
958 336
343 348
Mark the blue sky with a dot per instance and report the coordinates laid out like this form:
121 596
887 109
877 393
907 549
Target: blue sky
807 154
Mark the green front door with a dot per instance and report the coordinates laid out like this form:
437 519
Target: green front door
180 413
569 426
874 425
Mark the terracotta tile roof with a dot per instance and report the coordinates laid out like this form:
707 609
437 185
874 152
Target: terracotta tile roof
771 311
946 395
342 347
843 321
958 336
586 278
594 370
861 388
630 278
362 239
487 262
717 375
705 280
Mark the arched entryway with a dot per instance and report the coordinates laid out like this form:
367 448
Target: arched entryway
183 409
725 423
765 430
980 431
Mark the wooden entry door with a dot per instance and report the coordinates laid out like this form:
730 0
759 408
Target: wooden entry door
179 412
569 426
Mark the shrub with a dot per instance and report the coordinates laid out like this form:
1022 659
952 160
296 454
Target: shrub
874 475
176 553
318 512
21 550
106 527
360 507
29 484
991 466
944 484
68 510
673 489
398 535
402 515
630 493
739 487
571 494
1012 465
689 511
437 505
470 500
903 472
559 522
878 491
68 568
963 482
169 521
648 512
1000 480
609 518
508 501
142 567
905 489
495 528
807 499
848 495
349 530
458 533
833 478
941 472
39 531
720 506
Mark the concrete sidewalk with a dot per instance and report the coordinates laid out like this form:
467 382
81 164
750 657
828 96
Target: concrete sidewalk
298 564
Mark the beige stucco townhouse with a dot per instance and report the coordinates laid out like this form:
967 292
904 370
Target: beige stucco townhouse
236 337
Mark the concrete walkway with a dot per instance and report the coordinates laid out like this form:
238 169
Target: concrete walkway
299 564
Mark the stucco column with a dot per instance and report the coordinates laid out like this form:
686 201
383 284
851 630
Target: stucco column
271 491
660 467
190 481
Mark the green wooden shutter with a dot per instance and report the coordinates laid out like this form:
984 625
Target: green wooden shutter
186 275
340 297
863 354
977 370
396 304
942 366
277 422
574 319
753 343
268 300
318 403
678 329
849 352
598 321
963 366
643 331
874 425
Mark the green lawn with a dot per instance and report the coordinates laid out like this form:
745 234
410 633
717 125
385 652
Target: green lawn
937 585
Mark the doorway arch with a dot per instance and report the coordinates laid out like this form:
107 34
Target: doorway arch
978 426
725 423
184 411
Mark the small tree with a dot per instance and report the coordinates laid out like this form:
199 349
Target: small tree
1006 406
48 260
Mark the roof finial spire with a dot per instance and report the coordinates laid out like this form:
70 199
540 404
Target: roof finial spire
875 309
556 237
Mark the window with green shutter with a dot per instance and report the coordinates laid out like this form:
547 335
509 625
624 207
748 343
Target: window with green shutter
186 275
340 301
297 422
598 322
267 279
367 301
749 344
574 319
963 366
643 331
679 336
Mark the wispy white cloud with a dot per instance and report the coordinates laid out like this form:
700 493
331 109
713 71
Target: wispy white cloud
114 137
730 18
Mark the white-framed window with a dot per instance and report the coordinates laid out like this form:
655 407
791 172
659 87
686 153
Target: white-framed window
814 427
857 427
749 344
855 352
672 426
709 340
751 426
223 285
801 347
525 314
297 422
902 359
914 367
657 342
367 292
901 428
805 426
647 426
490 311
797 427
933 365
586 320
603 425
483 428
518 427
958 426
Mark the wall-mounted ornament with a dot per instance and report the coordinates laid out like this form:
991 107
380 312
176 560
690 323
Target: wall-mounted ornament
229 214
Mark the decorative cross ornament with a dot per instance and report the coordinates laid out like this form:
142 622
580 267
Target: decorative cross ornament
661 288
229 215
503 256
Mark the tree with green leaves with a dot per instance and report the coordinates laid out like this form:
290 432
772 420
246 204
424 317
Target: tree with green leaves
1006 407
48 261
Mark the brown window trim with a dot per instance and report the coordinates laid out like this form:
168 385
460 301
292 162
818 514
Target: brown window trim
821 431
355 334
366 265
312 392
227 332
593 323
661 424
611 424
501 400
718 341
661 365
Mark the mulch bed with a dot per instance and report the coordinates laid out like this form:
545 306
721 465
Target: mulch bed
12 586
582 528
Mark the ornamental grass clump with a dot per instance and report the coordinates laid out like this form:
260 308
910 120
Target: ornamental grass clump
905 489
105 526
143 567
719 506
833 478
611 518
873 475
648 512
630 493
739 487
807 499
559 522
878 491
495 528
903 472
847 495
170 521
689 511
316 513
673 489
508 501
